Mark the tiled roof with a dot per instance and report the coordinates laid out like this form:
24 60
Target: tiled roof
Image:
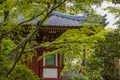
78 18
59 19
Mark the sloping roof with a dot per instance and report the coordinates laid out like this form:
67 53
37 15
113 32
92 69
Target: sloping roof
59 19
78 18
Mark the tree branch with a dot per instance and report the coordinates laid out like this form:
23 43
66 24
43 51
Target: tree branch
84 57
1 37
56 43
29 36
11 69
6 15
24 22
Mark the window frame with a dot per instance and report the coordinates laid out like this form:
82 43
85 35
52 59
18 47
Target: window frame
54 64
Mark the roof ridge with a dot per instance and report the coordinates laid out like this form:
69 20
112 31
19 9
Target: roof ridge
73 17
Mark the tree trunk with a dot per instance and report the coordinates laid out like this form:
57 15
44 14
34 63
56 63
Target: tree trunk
6 14
111 69
116 68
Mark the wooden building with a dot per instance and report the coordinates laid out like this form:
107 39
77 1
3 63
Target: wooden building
49 68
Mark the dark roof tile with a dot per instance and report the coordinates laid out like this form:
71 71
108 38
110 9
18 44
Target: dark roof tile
59 19
78 18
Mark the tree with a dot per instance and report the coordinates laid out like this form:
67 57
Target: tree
30 9
90 57
108 51
10 10
78 51
116 12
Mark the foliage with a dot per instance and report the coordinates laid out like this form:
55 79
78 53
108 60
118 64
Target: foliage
108 51
78 51
90 57
13 43
115 11
6 49
21 72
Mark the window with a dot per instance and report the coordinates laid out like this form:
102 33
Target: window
50 60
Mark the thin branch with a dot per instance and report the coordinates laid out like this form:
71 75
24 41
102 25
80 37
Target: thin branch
63 1
56 43
1 37
29 36
12 68
24 22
